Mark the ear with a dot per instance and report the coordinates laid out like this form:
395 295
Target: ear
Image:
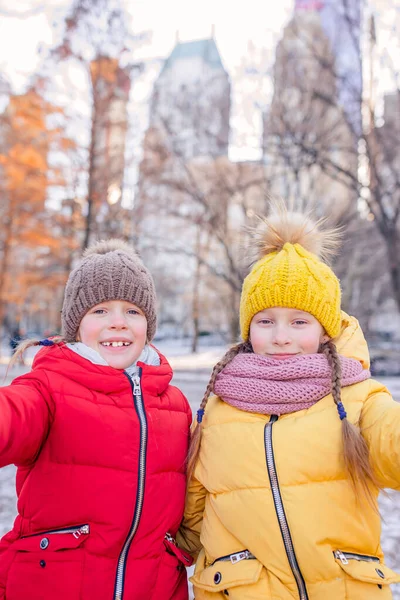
325 338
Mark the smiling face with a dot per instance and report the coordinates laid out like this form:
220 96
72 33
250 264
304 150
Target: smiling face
285 332
117 330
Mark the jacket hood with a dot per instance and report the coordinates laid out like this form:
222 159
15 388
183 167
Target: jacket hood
100 378
351 341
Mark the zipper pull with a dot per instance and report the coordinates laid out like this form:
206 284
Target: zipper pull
84 530
341 557
170 539
136 386
238 556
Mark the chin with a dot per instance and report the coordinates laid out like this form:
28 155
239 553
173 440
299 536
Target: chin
117 365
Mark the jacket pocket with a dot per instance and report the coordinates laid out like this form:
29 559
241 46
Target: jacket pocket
172 580
363 573
48 565
232 579
172 548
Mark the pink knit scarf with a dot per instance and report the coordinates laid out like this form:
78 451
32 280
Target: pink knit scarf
265 385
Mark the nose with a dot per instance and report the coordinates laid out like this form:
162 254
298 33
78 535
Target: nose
281 336
118 321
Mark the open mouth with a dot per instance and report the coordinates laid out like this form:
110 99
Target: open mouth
115 344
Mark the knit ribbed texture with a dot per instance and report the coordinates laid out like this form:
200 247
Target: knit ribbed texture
292 278
264 385
109 270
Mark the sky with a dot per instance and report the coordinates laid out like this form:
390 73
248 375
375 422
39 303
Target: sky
33 24
234 25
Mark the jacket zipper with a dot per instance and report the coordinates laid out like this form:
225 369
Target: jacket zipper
139 406
344 557
280 511
235 557
76 531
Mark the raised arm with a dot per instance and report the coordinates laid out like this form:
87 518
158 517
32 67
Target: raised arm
380 426
26 410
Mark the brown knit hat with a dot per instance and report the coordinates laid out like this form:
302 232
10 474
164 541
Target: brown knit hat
108 270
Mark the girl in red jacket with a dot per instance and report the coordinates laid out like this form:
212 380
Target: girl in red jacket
99 438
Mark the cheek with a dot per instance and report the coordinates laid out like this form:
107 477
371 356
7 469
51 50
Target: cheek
312 341
82 333
257 338
140 329
88 331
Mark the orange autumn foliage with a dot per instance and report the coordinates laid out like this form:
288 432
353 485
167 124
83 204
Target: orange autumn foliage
34 252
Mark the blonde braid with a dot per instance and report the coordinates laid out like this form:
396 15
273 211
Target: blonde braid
355 449
194 448
25 344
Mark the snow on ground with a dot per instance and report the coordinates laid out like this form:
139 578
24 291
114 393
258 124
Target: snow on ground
191 375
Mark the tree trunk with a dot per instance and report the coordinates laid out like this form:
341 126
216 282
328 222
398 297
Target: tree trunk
90 216
393 250
234 325
196 296
8 225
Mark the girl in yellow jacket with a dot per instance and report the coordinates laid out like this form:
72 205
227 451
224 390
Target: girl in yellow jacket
288 457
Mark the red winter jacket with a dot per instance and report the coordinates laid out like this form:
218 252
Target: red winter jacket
100 481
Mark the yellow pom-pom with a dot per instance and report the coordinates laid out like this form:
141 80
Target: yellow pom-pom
284 226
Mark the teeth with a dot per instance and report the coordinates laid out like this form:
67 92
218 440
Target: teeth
115 344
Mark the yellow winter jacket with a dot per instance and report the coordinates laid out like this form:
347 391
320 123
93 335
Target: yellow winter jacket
271 508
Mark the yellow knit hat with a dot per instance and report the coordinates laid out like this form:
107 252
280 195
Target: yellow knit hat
291 272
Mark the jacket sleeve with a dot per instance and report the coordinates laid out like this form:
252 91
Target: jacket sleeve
188 536
26 409
380 426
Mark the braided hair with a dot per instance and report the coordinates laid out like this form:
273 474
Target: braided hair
25 344
355 449
194 448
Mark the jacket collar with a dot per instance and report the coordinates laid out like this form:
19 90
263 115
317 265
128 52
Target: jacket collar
351 341
148 356
98 377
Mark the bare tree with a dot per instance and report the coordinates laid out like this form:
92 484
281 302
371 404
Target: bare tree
316 142
200 206
97 37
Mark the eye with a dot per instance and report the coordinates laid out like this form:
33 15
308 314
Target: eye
99 311
133 311
300 322
265 321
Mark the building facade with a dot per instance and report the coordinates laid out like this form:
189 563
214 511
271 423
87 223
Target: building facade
341 23
309 146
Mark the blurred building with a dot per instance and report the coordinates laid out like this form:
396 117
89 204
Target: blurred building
341 23
385 150
191 199
306 128
111 87
189 120
391 118
192 99
383 143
